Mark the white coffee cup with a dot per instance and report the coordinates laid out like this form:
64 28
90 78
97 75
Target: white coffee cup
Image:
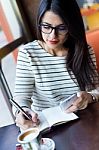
29 139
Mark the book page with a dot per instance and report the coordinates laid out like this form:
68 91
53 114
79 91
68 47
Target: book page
55 115
44 125
66 103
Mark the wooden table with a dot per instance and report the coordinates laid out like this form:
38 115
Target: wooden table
81 134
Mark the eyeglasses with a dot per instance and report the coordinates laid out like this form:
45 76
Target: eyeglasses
47 29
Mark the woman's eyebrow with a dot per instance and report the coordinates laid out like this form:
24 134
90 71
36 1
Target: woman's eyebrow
46 23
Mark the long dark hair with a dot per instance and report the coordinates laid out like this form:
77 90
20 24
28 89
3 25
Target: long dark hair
78 59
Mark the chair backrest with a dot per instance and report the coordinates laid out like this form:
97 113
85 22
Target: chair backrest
93 39
11 47
5 90
4 51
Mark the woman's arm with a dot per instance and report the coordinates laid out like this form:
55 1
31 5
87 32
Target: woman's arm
88 96
94 92
24 81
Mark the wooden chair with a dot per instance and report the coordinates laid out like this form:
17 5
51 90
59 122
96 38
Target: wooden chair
5 91
93 39
4 51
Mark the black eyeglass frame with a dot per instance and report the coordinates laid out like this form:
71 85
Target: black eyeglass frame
55 28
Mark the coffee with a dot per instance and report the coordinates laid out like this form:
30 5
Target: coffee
29 139
29 135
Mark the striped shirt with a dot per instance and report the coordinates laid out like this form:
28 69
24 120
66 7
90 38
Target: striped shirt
42 80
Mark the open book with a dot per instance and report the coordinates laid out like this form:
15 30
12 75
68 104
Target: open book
54 116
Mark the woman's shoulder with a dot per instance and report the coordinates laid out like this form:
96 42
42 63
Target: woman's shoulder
31 49
30 45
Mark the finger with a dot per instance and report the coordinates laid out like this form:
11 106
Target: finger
33 115
82 106
35 118
28 124
72 108
20 126
78 101
20 119
38 122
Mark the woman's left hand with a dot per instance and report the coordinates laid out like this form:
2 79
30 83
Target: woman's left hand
81 103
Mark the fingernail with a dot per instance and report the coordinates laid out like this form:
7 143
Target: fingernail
78 94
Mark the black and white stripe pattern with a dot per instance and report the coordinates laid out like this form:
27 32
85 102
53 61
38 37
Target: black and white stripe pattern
42 78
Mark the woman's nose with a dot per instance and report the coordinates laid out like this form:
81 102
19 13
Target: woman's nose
53 34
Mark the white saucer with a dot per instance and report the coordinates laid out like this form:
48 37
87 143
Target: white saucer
47 144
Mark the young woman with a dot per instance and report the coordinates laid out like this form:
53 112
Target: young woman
57 65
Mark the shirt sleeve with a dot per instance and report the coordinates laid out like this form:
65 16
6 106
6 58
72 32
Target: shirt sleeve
92 55
24 82
94 92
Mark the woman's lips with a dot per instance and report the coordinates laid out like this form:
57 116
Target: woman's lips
53 42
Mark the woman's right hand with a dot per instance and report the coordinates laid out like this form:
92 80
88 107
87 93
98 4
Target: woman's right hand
23 122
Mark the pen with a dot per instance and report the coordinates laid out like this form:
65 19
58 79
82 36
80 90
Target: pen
20 109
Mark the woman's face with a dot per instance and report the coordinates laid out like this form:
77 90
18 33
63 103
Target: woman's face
53 30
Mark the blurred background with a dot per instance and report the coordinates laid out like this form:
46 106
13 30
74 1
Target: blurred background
17 27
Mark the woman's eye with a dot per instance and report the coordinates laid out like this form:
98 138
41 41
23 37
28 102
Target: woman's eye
62 28
46 27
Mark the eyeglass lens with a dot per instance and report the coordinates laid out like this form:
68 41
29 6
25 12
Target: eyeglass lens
47 29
